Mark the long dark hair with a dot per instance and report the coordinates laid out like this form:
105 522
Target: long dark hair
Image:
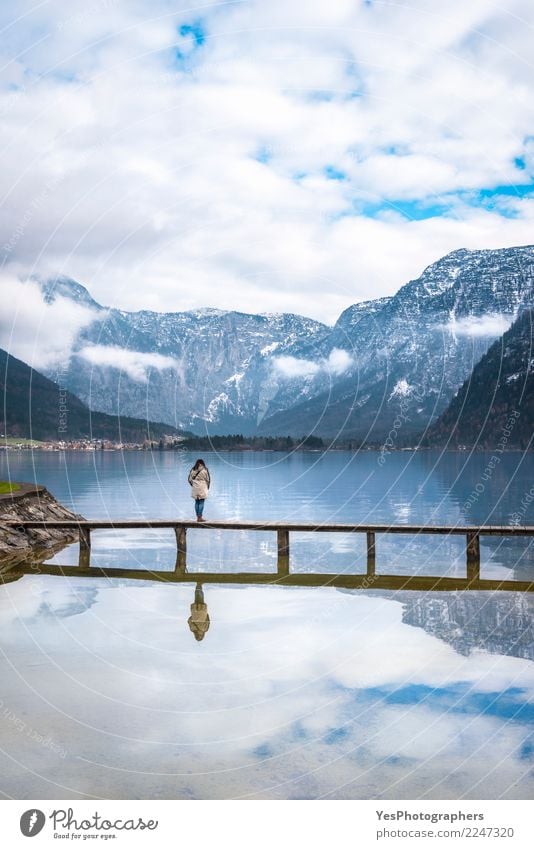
198 465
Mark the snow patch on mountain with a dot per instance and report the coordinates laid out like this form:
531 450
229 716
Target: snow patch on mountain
268 349
402 389
235 379
221 403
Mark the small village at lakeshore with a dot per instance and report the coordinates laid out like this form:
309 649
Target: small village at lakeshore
172 442
217 443
165 443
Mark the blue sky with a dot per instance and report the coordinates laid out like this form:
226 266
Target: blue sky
261 156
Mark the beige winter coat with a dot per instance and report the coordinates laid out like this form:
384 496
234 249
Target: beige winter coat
199 621
200 482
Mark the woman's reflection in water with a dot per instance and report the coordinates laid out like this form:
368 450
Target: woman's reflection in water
199 621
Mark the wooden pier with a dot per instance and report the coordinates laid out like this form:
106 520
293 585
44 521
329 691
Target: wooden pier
283 574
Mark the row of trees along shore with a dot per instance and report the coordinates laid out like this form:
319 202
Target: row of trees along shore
239 442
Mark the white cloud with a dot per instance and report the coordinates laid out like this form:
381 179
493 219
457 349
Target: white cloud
38 333
294 367
136 171
136 364
480 325
313 661
337 362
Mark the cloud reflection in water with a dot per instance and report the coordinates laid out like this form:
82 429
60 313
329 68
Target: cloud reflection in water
293 693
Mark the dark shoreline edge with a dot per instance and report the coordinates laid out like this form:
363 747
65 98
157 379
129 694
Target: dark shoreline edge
32 501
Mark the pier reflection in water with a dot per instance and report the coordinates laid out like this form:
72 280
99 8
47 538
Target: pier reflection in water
411 487
295 691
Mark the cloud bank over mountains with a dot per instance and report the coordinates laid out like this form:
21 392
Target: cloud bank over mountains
491 324
262 156
39 333
337 362
135 364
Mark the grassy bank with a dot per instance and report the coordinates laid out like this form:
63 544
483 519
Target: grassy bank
6 487
11 441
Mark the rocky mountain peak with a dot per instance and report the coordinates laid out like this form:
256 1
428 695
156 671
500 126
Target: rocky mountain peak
228 371
64 287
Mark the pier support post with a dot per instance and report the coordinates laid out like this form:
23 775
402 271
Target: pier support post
84 559
473 556
181 549
283 552
371 553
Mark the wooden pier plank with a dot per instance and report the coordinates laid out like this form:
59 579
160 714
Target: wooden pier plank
156 524
283 529
302 579
473 556
181 549
283 551
85 548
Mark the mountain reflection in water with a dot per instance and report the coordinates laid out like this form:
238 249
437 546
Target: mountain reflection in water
293 693
501 623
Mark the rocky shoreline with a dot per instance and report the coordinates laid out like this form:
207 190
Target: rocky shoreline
29 503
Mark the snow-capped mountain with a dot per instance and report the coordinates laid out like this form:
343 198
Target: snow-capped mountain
460 620
411 352
205 369
495 405
32 407
386 369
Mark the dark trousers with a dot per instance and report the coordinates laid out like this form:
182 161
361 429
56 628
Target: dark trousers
199 506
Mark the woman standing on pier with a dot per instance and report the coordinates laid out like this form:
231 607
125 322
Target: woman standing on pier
199 479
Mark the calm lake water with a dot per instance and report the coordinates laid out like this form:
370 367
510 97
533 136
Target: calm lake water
293 692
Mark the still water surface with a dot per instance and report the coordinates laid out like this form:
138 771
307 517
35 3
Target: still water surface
292 693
